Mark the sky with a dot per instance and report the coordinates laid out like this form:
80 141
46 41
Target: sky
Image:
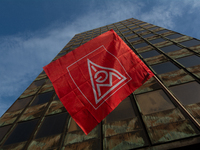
33 32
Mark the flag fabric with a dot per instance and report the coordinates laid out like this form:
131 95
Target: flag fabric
93 79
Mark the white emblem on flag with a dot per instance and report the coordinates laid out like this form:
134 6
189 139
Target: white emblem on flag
103 77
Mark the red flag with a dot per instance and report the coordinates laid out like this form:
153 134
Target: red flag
93 79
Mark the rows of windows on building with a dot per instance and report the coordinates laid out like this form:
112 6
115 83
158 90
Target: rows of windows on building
147 118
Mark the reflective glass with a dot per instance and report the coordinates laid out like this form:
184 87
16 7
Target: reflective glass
173 36
136 29
141 31
148 35
73 126
189 61
52 125
42 98
126 31
19 104
22 132
3 131
162 31
152 102
153 28
134 39
164 67
157 40
129 35
170 48
149 54
140 45
187 93
123 111
36 84
190 43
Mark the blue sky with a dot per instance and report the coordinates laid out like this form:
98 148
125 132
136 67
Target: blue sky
33 32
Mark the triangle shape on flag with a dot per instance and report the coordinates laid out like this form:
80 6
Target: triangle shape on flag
103 79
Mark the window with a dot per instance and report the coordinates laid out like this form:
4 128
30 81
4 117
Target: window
141 31
190 43
147 25
187 93
61 54
170 48
123 111
148 35
153 28
149 54
73 126
129 35
42 98
140 45
173 36
189 61
162 31
3 131
22 132
19 104
136 29
52 125
164 67
36 84
132 26
126 31
134 39
157 40
56 98
154 101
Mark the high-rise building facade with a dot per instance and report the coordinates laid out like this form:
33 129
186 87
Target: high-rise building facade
150 118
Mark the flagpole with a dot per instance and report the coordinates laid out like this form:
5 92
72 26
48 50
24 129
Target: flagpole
178 103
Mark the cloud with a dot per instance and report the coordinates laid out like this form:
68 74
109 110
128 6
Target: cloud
22 56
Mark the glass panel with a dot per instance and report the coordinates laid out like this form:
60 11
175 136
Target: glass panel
123 111
187 93
73 126
148 35
129 35
36 84
170 48
56 98
3 131
22 132
157 40
42 98
21 103
136 29
190 43
126 31
153 28
173 36
164 67
132 26
149 54
162 31
52 125
147 25
141 31
134 39
189 61
152 102
140 45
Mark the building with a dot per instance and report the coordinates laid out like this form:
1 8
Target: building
150 118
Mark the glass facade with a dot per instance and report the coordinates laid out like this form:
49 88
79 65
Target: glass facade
149 118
